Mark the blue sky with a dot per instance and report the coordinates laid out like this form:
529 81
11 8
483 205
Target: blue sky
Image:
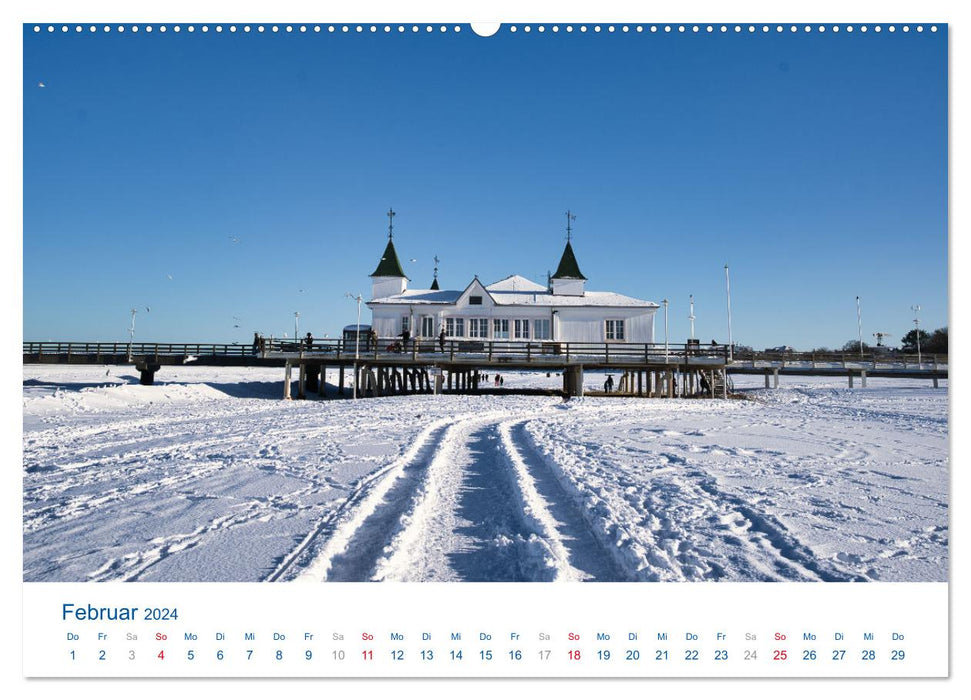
212 177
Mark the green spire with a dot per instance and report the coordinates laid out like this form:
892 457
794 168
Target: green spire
389 266
568 269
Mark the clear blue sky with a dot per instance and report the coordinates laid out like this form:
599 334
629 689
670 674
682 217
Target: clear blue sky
212 177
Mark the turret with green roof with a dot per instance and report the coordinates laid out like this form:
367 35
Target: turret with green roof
388 278
568 268
568 280
389 265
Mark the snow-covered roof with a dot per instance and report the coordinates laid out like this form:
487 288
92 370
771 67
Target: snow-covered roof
544 298
515 291
421 296
516 283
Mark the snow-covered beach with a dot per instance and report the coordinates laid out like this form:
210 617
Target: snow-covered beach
209 476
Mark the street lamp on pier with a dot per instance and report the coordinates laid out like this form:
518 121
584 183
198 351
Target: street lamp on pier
131 332
728 294
916 310
357 337
665 302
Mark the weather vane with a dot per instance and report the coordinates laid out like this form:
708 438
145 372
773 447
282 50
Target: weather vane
390 223
569 218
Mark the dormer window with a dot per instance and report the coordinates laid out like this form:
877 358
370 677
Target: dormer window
475 301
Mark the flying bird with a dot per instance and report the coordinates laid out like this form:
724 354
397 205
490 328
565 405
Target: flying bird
148 308
41 84
234 239
169 276
413 260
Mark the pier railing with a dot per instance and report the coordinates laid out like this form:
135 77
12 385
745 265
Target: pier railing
452 349
820 360
492 350
136 349
531 351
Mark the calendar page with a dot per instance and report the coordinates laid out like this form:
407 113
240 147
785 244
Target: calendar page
568 346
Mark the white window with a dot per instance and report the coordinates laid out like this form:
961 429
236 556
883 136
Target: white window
541 329
427 326
521 329
405 324
614 329
455 327
478 328
500 328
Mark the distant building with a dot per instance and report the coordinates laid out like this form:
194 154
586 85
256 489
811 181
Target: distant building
514 308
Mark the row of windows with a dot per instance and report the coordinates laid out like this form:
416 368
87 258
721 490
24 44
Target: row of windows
503 328
499 329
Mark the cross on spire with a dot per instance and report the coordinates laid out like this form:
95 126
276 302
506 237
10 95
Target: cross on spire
569 218
435 279
390 223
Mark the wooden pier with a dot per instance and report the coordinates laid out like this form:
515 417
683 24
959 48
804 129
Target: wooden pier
425 366
386 367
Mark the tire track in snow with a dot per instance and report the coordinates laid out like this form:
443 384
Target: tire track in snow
581 555
469 521
473 501
657 528
352 521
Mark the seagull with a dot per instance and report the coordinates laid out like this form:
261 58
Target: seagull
234 239
169 276
41 84
148 308
413 260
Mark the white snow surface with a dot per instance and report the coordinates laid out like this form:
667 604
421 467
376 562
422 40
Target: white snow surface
210 476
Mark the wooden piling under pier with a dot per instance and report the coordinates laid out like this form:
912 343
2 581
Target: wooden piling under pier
401 374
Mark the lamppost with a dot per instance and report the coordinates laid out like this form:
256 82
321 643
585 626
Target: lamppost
916 310
131 332
691 314
296 327
859 325
728 293
665 302
357 338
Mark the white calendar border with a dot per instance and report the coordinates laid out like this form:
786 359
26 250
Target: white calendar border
438 10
